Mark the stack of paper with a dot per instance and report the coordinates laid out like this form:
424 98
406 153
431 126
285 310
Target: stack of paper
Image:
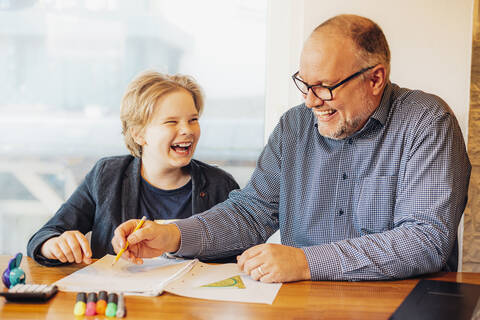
189 278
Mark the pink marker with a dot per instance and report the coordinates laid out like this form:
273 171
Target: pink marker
91 304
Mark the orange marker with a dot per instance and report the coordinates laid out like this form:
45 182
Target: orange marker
102 302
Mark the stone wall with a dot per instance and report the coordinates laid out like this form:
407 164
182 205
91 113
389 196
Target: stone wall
471 236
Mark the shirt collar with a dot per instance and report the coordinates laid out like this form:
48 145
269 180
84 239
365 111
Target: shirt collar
381 113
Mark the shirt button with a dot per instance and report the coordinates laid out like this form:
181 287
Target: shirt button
340 212
344 176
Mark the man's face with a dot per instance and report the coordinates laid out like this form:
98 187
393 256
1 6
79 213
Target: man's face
327 59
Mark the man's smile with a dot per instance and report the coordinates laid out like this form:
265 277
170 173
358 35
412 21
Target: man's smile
324 115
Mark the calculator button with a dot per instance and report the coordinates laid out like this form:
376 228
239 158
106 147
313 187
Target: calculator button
39 288
24 288
17 288
47 289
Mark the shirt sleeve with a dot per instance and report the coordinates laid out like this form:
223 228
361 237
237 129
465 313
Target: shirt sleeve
75 214
247 218
429 203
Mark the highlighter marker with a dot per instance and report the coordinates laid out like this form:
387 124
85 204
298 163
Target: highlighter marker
91 304
102 302
112 305
79 309
121 311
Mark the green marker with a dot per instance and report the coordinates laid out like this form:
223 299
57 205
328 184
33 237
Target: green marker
112 305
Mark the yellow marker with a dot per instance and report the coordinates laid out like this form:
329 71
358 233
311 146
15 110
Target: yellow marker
80 304
119 254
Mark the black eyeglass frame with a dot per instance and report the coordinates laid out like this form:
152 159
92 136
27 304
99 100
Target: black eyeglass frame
330 88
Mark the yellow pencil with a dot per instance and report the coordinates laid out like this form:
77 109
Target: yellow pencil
119 254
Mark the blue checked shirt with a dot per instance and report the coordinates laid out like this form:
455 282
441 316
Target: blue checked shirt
384 203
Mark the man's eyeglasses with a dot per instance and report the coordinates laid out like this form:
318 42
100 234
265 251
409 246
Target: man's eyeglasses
321 91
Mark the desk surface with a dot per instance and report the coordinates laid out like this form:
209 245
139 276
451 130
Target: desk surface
299 300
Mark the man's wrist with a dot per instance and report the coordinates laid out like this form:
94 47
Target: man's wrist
175 237
305 268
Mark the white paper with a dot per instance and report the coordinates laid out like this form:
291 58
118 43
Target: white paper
190 285
177 276
124 276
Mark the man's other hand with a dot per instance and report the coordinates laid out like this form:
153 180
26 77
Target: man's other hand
274 263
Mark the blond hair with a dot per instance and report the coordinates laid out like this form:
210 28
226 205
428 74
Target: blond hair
142 94
365 34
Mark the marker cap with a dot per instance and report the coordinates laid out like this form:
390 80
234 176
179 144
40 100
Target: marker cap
81 296
92 297
112 297
102 295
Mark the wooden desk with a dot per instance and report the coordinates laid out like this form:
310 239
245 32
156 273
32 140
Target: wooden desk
299 300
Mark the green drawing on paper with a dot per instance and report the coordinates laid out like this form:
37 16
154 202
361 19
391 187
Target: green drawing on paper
235 281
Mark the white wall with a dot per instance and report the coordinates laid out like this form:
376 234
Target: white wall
285 36
430 42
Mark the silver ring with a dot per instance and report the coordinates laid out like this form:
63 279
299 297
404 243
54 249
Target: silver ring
260 270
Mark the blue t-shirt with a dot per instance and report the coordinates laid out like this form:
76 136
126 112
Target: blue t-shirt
156 203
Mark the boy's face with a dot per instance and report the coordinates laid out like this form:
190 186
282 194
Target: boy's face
170 137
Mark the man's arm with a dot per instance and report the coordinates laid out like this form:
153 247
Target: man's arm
247 218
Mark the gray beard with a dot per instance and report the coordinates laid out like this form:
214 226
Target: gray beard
349 127
346 129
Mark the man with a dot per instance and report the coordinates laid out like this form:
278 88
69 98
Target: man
365 180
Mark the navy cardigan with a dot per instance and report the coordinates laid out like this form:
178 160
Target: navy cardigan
109 196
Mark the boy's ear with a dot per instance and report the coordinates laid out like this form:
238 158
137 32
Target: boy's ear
137 135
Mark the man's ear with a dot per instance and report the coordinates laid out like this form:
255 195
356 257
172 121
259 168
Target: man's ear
377 79
137 135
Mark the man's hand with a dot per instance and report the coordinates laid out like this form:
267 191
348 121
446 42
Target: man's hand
151 240
274 263
70 246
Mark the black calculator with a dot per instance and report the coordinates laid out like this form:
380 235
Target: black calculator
30 292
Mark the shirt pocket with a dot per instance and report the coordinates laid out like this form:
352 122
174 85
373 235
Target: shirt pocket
375 204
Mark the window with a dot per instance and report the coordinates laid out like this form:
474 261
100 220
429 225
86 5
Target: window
65 66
